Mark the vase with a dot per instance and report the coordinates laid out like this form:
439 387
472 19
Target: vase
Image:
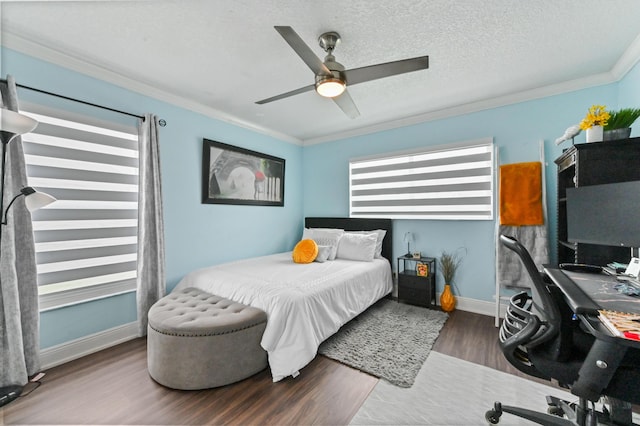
595 134
615 134
447 299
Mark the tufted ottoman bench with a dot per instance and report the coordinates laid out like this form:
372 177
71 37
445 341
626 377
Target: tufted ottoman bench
196 340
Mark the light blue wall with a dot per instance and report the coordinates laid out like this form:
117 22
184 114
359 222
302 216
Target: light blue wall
516 129
196 235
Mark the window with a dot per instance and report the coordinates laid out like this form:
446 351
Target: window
453 182
86 242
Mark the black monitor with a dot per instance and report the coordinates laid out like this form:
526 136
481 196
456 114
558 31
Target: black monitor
604 214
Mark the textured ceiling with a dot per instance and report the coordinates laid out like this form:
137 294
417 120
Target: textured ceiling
219 57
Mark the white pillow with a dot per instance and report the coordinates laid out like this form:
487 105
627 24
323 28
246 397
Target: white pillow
323 254
324 237
380 237
354 246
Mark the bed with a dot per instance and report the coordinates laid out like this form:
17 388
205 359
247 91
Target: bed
305 303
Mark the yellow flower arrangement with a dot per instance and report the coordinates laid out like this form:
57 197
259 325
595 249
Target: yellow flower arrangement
597 116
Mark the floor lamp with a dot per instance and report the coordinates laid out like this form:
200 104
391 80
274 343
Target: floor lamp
13 124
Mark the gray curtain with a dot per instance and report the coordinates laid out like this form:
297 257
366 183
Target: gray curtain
19 316
151 276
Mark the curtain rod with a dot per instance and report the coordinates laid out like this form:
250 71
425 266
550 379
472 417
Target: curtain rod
75 100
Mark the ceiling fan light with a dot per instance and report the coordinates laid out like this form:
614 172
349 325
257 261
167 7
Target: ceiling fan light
330 87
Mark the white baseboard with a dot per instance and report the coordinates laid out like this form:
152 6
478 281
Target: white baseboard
466 304
74 349
476 306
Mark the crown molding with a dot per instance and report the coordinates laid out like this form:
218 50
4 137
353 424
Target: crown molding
627 61
29 47
468 108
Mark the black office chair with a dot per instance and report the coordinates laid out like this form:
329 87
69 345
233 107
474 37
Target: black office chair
539 337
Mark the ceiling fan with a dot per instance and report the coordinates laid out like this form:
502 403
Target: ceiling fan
331 79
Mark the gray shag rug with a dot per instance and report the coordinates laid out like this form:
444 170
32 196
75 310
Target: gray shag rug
390 340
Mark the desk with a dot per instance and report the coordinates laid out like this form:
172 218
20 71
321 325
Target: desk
585 294
599 288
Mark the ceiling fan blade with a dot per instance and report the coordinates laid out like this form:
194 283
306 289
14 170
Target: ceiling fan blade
347 105
304 51
286 95
374 72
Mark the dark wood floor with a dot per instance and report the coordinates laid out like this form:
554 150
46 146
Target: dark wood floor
113 387
474 338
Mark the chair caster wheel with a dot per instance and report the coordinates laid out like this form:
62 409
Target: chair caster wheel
493 416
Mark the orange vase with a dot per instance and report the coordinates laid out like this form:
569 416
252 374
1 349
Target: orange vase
447 299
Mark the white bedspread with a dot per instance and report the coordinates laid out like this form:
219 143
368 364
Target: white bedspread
305 303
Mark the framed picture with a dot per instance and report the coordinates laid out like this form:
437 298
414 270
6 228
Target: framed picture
233 175
422 269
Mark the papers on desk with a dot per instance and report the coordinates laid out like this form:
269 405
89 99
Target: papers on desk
621 323
615 268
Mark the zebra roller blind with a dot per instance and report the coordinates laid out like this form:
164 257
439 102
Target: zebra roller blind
86 242
453 182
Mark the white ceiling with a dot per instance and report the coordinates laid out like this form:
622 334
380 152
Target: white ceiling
218 57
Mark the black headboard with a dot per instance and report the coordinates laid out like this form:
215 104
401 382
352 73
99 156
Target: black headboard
357 224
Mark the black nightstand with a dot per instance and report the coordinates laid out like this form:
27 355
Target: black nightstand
414 288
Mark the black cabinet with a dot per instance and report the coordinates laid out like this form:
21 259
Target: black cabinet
417 280
594 163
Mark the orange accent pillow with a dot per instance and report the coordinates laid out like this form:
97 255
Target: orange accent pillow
305 251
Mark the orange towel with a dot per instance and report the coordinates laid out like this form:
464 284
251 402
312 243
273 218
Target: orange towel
521 194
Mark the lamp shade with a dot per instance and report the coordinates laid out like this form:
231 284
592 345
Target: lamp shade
16 123
38 200
33 201
408 237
